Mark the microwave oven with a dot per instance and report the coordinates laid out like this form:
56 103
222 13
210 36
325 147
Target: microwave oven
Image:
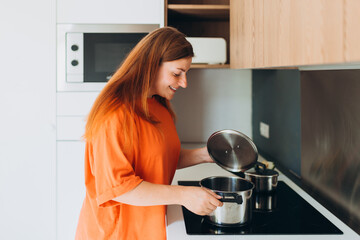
88 54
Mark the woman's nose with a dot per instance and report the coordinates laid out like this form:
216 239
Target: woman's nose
183 82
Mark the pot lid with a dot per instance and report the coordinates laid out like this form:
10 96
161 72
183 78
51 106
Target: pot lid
232 150
265 173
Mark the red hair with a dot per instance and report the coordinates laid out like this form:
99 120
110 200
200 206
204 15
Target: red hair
129 86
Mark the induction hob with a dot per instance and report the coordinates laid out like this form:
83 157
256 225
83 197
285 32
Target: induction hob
282 212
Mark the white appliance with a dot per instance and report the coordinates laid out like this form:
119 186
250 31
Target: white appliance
88 54
208 50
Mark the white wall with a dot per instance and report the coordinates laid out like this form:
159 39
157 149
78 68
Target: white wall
215 99
110 11
27 122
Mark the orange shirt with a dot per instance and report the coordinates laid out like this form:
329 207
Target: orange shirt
110 172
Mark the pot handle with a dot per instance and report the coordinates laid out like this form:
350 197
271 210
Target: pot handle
231 197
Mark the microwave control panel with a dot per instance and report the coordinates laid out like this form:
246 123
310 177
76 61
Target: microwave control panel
74 57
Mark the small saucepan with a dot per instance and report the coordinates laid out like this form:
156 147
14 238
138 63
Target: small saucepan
265 180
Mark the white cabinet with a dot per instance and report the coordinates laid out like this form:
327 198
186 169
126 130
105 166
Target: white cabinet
72 109
111 11
70 187
75 103
70 128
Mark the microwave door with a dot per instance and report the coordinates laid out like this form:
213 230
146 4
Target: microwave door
104 53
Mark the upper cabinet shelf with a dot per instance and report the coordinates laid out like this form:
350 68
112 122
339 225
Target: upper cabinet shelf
201 18
220 12
210 65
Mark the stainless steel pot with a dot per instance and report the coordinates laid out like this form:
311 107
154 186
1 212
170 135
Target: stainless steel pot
236 195
265 180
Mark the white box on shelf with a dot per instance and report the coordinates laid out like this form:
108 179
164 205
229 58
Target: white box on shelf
208 50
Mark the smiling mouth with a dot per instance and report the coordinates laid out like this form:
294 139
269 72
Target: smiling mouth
172 88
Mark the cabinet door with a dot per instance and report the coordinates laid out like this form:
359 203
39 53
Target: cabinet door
303 32
72 110
75 103
70 128
246 33
111 11
352 32
70 187
293 33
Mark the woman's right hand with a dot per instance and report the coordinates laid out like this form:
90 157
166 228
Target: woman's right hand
199 200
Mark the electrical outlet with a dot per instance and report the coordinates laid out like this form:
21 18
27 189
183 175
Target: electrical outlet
264 130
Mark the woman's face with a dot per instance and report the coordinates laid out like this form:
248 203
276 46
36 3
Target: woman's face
171 76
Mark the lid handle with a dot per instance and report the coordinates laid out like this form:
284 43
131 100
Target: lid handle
260 167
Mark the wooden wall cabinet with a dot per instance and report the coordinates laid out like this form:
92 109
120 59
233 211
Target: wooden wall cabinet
200 18
280 33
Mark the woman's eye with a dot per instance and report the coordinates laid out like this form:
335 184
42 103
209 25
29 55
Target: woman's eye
176 75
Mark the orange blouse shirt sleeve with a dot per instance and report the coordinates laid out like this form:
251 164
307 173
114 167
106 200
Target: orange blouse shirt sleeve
111 167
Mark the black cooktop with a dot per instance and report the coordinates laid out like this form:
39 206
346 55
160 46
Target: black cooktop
282 212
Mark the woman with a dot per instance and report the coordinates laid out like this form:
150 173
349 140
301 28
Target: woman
133 150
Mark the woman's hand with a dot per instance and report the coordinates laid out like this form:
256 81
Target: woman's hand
207 158
191 157
200 201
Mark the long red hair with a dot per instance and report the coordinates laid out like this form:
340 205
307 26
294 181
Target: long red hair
129 86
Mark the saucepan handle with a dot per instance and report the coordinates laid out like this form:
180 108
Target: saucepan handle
231 197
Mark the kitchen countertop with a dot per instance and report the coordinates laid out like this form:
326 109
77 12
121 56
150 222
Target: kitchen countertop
175 221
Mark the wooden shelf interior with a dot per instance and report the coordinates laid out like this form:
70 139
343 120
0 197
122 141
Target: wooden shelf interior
201 18
220 12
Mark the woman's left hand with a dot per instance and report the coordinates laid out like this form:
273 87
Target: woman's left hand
191 157
206 156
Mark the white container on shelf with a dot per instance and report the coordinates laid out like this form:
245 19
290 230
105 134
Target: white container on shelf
208 50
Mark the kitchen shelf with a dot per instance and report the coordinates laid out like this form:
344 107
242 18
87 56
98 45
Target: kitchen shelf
201 18
276 68
201 11
210 66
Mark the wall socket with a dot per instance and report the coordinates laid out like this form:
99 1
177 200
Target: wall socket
264 130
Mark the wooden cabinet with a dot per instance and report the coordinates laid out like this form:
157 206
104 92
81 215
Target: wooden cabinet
351 31
293 33
200 18
246 33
